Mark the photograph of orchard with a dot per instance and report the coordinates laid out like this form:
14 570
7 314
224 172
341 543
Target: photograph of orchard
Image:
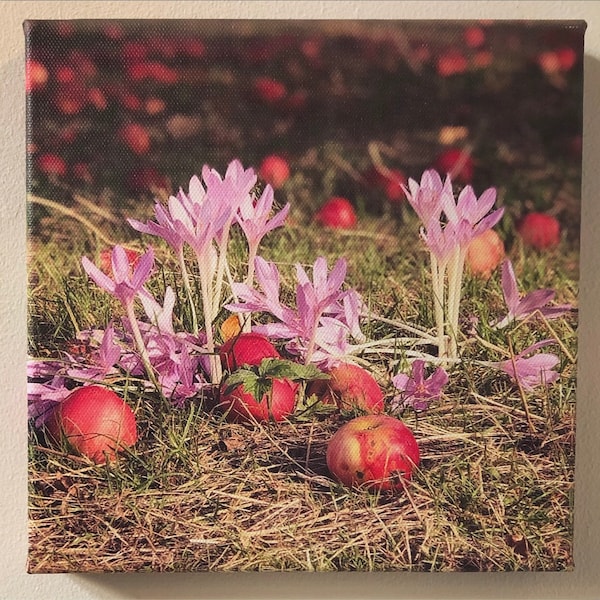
302 294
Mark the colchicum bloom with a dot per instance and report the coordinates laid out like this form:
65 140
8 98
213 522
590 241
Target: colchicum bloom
533 371
325 315
417 391
520 308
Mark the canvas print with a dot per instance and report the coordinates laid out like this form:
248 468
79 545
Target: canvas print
302 295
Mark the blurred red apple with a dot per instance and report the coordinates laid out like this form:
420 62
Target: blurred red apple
36 75
70 99
154 105
485 253
375 451
51 164
65 74
192 48
97 98
539 230
474 37
567 57
135 137
269 90
449 160
95 422
275 170
451 62
337 213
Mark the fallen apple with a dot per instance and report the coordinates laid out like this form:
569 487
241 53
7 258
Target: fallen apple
457 162
337 213
539 230
275 404
274 170
485 253
135 137
374 451
349 387
95 422
246 349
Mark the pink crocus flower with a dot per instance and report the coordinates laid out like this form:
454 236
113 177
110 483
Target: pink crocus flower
417 391
472 211
535 302
102 361
533 371
253 216
428 197
125 284
324 314
46 389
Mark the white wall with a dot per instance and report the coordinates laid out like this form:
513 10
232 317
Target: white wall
16 584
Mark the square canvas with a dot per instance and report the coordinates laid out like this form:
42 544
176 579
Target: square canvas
302 294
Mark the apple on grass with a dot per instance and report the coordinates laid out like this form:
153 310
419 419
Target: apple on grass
539 230
349 387
246 349
485 253
337 213
95 422
272 401
275 170
377 452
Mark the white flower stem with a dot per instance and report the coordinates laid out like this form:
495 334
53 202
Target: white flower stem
207 307
455 277
221 269
437 276
188 289
252 251
139 342
400 325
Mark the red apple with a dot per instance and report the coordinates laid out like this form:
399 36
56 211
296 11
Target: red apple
337 213
567 57
240 406
485 253
269 90
51 164
451 62
539 230
135 137
95 422
97 98
36 75
449 159
375 451
274 170
246 349
549 62
474 37
350 387
65 74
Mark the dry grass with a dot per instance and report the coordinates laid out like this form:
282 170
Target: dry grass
490 495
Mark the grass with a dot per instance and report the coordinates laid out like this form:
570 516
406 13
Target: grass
494 490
